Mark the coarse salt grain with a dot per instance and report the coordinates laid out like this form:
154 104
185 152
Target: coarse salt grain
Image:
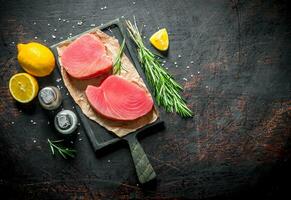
92 25
192 62
34 141
185 79
187 67
179 56
80 23
12 122
53 36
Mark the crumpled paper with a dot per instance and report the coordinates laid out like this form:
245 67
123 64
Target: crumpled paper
77 88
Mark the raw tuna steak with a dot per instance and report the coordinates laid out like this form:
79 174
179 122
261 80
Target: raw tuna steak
86 58
119 99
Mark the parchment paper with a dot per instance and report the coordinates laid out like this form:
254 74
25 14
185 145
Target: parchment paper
77 88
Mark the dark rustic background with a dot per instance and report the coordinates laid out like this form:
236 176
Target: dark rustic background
238 84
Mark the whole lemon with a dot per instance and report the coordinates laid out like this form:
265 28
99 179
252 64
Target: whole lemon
36 59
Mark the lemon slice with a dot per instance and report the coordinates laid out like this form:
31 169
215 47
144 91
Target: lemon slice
23 87
160 40
36 59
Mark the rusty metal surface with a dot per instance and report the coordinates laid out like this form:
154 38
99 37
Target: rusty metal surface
238 85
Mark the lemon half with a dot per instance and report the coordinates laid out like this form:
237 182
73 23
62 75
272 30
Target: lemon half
36 59
23 87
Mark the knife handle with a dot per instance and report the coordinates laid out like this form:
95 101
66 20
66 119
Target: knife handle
143 167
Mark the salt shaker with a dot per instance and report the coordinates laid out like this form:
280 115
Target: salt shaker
66 122
50 97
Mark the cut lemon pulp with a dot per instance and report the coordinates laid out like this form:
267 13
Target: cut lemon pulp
160 40
23 87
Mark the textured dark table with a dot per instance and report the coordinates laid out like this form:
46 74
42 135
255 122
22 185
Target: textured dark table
238 85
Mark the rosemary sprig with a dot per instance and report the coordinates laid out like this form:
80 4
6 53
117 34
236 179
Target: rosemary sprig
64 152
165 88
117 63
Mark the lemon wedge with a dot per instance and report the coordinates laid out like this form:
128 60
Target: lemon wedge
23 87
160 40
36 59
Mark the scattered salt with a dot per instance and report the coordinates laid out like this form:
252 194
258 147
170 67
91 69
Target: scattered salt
34 123
176 66
53 36
34 141
48 24
80 139
105 7
60 19
92 25
44 40
101 8
187 67
108 160
31 120
164 61
71 142
67 94
34 23
12 122
13 42
48 122
185 79
144 25
191 75
175 63
133 2
198 72
35 37
179 56
70 34
122 16
167 68
73 26
80 23
55 30
206 86
61 38
144 37
78 133
64 20
192 62
58 79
